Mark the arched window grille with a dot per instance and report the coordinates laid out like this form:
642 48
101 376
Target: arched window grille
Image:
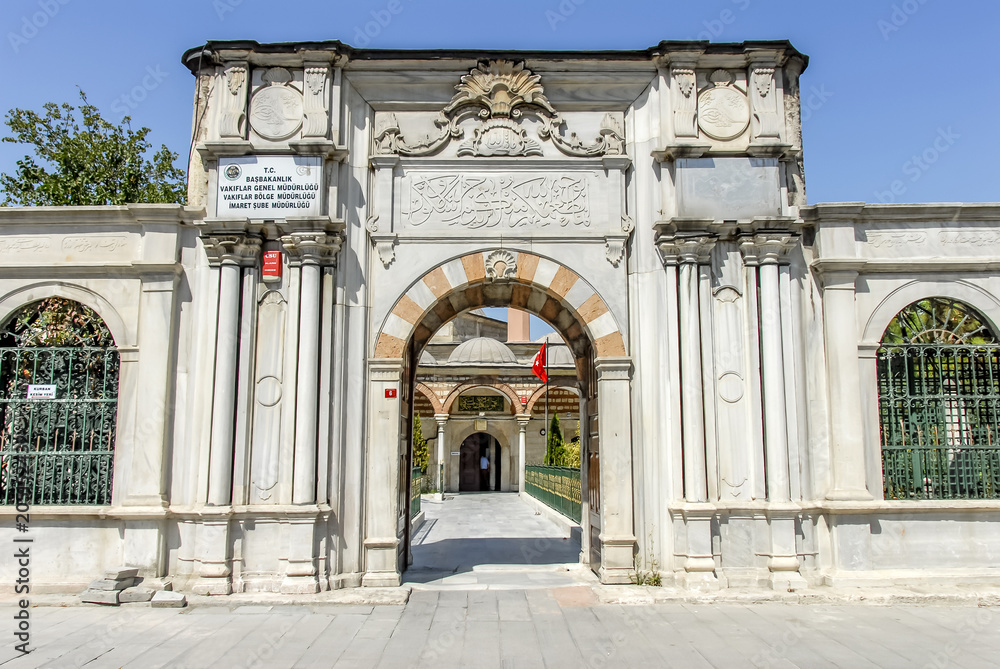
58 405
939 403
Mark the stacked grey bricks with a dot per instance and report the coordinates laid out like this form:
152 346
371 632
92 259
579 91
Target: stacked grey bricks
108 589
121 586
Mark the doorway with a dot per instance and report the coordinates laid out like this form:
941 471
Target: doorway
472 477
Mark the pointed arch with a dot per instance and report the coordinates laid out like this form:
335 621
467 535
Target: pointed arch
520 280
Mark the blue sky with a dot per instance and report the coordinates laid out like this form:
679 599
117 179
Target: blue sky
903 91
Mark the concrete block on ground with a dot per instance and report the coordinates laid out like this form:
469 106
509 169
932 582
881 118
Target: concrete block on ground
119 573
136 594
167 599
108 597
164 583
110 584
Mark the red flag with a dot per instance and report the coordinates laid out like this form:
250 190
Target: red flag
538 366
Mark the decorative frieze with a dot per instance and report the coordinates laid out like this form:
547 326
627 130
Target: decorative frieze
499 93
476 201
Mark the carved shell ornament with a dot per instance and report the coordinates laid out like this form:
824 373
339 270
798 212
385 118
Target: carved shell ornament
276 109
501 265
723 110
499 92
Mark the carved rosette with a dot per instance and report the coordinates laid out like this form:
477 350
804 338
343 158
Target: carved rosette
501 265
276 109
723 110
311 248
233 102
499 92
232 249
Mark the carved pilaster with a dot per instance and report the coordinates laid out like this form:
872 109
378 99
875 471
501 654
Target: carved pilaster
311 248
763 100
234 102
231 249
685 84
314 104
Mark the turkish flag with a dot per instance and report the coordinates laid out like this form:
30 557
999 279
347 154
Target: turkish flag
538 366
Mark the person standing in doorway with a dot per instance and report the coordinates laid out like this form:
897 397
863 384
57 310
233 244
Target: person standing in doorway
484 472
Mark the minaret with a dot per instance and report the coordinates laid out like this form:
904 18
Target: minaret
518 326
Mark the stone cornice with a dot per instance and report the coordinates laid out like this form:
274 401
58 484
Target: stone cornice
130 214
860 212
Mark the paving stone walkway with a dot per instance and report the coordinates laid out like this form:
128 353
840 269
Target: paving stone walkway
513 629
495 541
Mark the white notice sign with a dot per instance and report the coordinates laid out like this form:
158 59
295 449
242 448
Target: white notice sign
269 186
41 392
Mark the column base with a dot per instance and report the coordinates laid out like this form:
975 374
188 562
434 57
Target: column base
787 581
213 584
299 585
850 495
617 560
702 581
381 579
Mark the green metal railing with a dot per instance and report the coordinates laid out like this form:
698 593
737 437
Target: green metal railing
415 480
939 415
57 450
556 487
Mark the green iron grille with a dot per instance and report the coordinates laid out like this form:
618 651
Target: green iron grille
416 477
556 487
939 406
61 450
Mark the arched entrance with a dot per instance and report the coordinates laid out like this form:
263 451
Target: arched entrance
480 464
558 295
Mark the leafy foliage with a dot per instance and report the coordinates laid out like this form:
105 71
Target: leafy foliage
938 320
554 443
96 164
420 454
56 321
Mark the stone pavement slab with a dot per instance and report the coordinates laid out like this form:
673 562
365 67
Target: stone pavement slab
515 629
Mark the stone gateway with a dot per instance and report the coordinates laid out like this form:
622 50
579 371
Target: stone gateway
768 393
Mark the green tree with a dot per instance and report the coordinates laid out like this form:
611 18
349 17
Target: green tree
86 161
420 456
554 443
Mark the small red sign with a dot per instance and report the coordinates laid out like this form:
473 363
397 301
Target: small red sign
272 266
524 400
390 393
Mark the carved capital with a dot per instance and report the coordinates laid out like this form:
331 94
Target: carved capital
311 248
232 249
686 249
766 248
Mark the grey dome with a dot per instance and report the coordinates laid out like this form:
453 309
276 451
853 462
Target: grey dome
560 355
482 351
426 358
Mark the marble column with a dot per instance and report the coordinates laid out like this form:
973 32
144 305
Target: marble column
229 253
614 376
442 420
840 331
382 472
310 251
522 429
764 250
687 252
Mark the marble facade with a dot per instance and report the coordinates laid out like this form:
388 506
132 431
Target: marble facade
650 205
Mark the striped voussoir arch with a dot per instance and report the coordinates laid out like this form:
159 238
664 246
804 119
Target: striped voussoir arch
540 286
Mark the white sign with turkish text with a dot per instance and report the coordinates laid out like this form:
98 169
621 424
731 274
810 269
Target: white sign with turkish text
39 392
270 186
